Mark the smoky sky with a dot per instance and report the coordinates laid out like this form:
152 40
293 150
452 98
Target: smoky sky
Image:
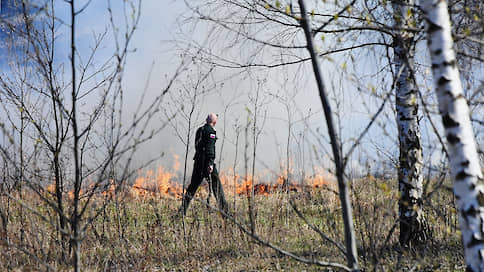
285 127
294 127
154 61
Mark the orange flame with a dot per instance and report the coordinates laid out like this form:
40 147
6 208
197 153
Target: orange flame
244 187
162 183
51 188
111 190
318 180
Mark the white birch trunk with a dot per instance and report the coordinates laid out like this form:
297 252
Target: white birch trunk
464 161
410 179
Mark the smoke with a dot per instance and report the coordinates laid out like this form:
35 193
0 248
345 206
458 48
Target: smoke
291 107
284 102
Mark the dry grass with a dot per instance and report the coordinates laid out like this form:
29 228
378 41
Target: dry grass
141 235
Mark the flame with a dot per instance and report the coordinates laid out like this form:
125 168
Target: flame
51 188
111 190
262 189
161 184
244 187
318 181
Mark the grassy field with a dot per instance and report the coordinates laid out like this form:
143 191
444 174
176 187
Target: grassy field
141 234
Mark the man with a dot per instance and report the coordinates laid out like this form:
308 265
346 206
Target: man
204 165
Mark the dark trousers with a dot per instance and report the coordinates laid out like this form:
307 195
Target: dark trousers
200 171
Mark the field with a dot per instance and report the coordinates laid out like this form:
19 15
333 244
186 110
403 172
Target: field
143 234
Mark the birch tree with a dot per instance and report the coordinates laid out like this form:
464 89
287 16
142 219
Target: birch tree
464 161
282 23
410 178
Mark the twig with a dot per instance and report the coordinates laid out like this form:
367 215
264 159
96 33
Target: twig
324 236
26 252
274 247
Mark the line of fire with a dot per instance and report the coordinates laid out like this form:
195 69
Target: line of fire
167 182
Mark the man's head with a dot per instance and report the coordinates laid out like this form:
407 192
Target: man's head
212 119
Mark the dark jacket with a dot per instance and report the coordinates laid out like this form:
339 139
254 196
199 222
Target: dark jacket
205 139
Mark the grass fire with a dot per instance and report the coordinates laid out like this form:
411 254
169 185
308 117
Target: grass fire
162 182
139 231
241 135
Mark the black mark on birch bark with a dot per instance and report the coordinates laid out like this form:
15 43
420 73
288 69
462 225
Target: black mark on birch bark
443 80
449 122
453 139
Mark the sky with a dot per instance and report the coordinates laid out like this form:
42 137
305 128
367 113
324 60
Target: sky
156 51
154 57
152 61
154 40
378 148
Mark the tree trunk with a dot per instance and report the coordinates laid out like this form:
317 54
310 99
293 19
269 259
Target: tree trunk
246 167
410 179
60 206
350 240
76 245
75 148
464 161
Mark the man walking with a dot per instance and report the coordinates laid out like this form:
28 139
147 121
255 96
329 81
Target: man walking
204 165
